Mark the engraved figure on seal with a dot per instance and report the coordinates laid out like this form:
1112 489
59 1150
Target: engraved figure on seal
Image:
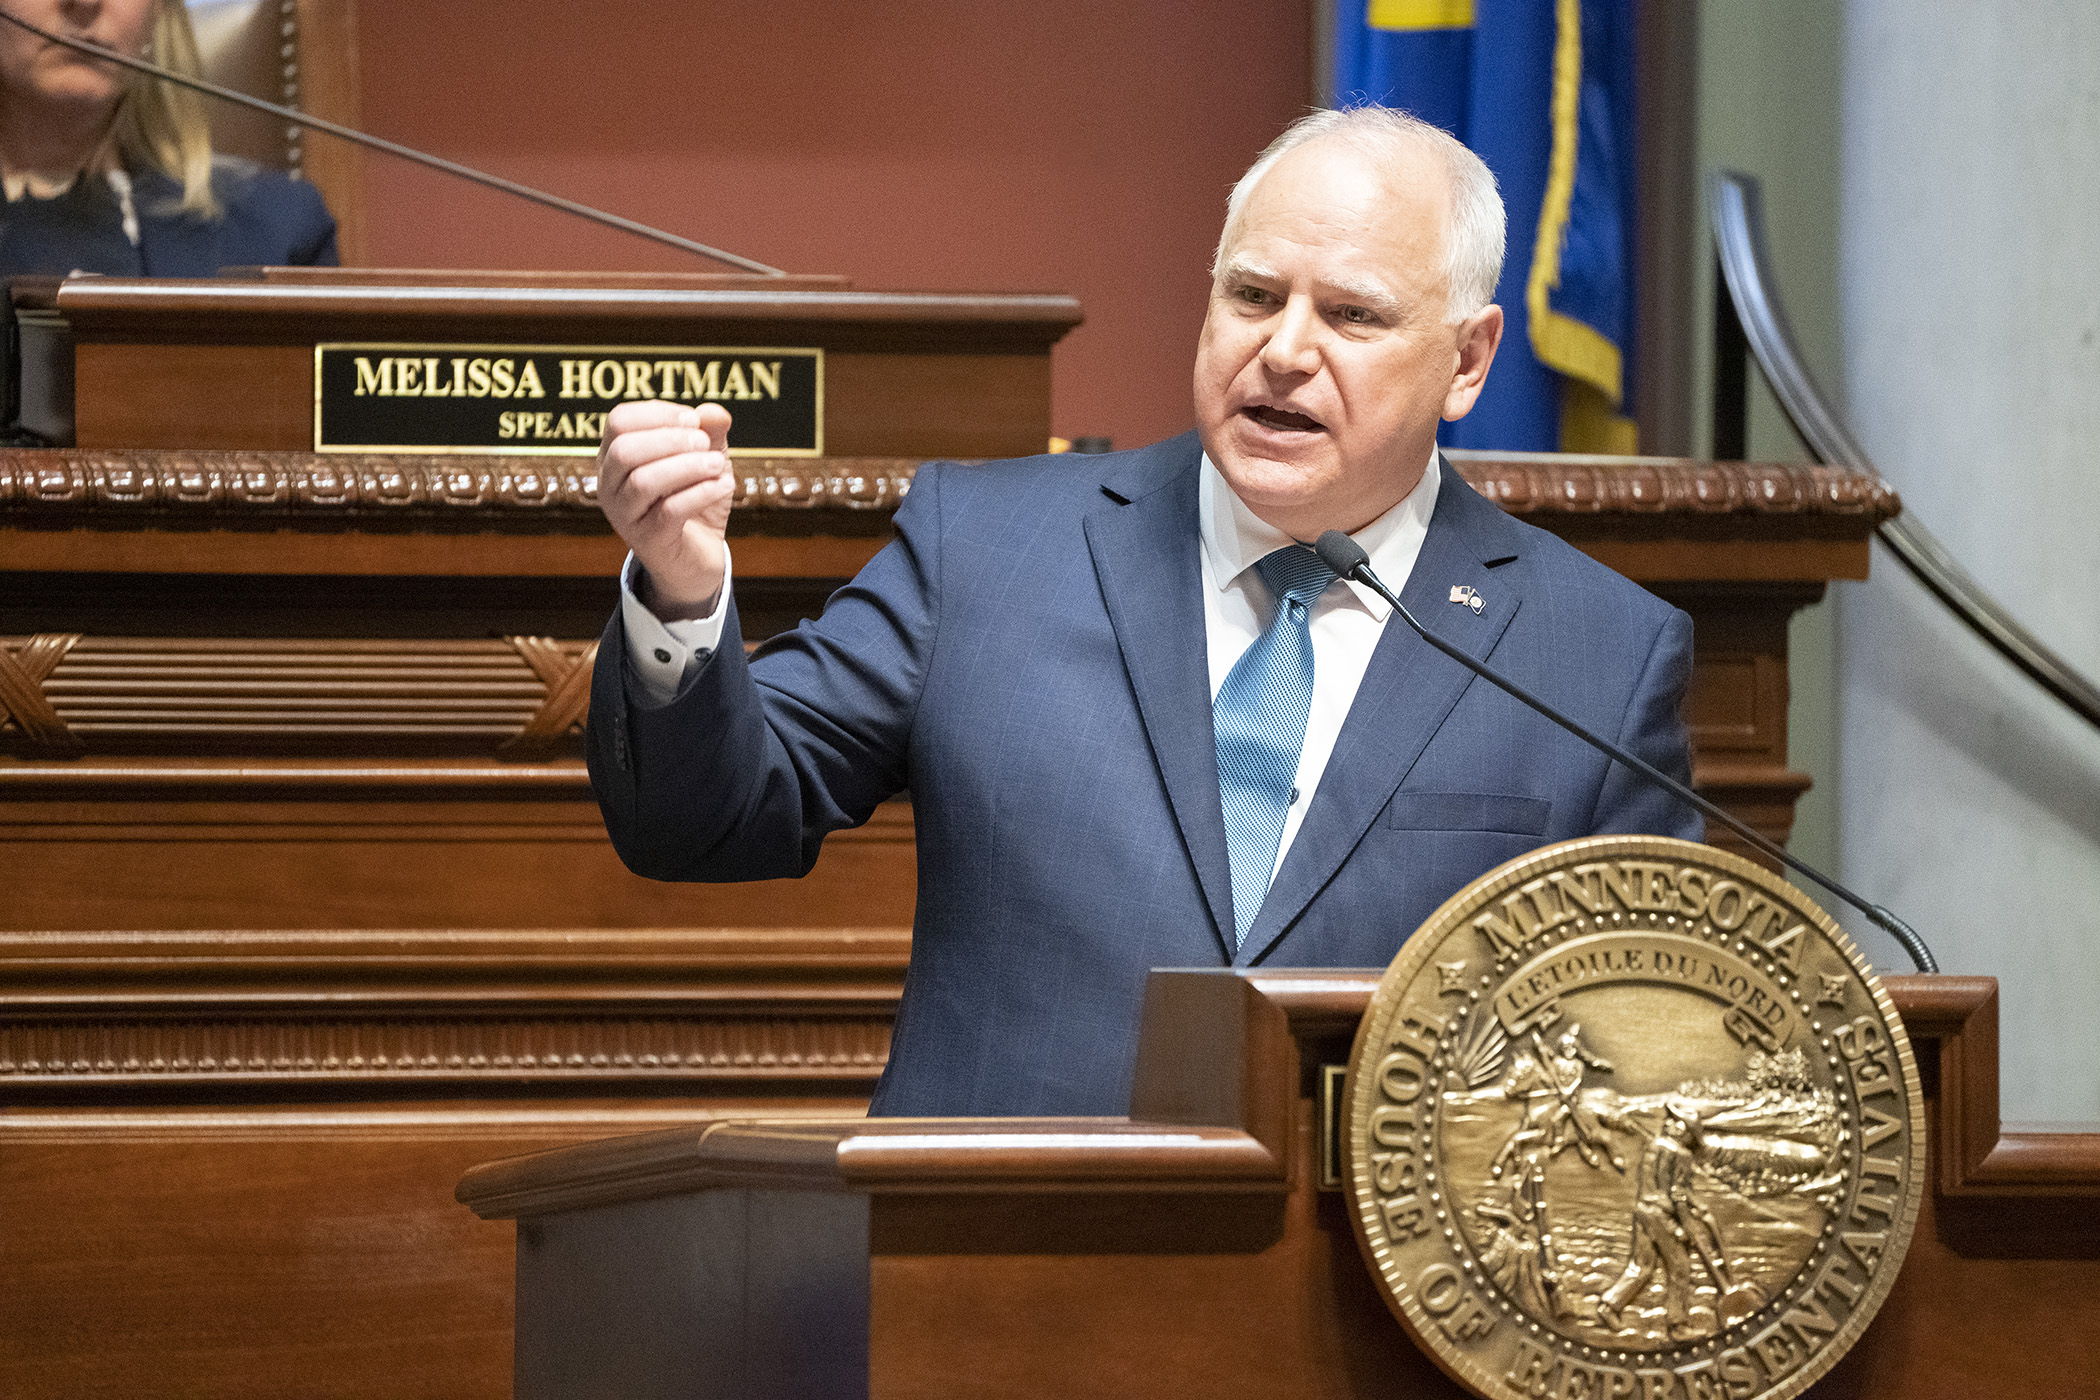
1721 1181
1576 1122
1548 1084
1667 1216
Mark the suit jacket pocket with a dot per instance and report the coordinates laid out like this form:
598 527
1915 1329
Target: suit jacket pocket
1468 811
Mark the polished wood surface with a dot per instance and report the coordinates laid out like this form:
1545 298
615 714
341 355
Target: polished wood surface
194 310
228 1156
1187 1248
330 85
303 731
906 373
162 552
876 402
488 277
388 846
1667 247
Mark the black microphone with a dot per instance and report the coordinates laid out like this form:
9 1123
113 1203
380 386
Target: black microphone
1348 560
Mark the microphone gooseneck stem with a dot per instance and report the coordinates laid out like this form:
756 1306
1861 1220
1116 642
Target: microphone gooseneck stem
1348 560
392 148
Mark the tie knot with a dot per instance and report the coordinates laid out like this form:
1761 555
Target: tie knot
1295 574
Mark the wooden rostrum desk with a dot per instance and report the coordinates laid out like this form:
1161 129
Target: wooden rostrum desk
307 907
1188 1249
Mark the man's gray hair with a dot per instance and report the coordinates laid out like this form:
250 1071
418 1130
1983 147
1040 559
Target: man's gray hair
1474 241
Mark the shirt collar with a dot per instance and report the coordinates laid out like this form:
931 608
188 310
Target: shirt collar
1235 539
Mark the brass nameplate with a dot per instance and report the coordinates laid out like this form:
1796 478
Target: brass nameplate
554 398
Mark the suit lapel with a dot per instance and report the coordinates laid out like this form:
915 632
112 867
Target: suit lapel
1407 693
1147 556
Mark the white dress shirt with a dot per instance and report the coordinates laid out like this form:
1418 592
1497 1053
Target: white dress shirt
1347 620
660 651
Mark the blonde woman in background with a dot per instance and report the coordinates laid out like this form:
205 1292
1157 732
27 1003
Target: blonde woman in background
111 171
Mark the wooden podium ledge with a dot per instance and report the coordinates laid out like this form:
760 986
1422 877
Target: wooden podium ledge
1979 1156
238 312
1655 519
1188 1248
1187 1131
916 1155
1161 1147
51 484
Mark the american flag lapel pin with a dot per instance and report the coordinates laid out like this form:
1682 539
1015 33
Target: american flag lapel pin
1464 595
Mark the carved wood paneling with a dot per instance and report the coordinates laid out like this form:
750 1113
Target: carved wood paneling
1076 1241
370 1014
375 1053
488 712
522 696
1562 483
26 712
567 703
114 484
225 1148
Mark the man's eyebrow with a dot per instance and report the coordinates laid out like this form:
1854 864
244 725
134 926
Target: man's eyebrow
1364 291
1370 294
1240 265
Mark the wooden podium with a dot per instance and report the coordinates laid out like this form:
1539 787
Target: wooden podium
1190 1248
308 905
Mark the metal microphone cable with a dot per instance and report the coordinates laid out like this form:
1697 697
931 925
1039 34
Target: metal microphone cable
392 148
1348 560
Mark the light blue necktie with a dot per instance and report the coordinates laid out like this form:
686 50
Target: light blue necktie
1259 717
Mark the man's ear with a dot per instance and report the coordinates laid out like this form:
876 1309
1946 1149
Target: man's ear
1478 337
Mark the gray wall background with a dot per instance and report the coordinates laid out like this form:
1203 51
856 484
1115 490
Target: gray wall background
1769 77
1969 285
1932 183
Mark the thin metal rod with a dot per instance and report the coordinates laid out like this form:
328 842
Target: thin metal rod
1919 551
1901 931
1739 238
392 148
1897 928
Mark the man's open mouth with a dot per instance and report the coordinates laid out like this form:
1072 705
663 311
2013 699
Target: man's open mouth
1282 420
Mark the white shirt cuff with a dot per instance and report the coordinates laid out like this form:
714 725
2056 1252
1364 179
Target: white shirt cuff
659 652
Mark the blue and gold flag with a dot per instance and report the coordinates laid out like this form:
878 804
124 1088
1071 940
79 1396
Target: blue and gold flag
1543 91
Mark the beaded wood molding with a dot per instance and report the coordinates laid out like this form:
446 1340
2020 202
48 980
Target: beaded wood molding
86 486
79 485
1559 483
434 1049
473 1007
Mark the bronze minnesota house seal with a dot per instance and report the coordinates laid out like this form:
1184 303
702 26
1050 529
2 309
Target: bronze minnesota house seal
1630 1117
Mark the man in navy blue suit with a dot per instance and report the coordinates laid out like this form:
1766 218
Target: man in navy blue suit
1140 726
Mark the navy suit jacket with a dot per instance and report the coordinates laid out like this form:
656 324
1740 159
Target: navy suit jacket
268 218
1027 658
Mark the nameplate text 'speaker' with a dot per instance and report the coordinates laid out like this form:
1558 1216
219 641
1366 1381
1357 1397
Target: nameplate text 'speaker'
553 399
1631 1117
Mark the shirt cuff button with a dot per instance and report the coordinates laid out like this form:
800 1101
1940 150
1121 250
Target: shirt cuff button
663 658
